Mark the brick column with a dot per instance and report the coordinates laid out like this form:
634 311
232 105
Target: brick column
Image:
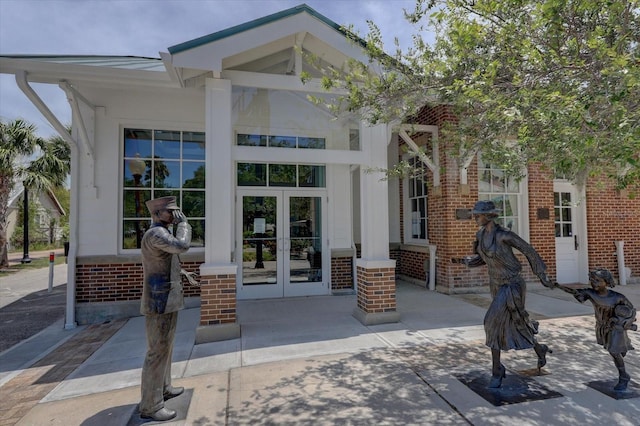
376 292
218 320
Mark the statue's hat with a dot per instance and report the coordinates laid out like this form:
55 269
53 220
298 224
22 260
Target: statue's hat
162 203
485 207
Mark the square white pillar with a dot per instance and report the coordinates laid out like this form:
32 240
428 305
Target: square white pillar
219 175
374 195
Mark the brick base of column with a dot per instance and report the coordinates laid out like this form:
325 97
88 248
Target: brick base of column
376 292
218 320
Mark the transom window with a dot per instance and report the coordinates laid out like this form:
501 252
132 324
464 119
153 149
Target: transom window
159 163
281 175
275 141
503 190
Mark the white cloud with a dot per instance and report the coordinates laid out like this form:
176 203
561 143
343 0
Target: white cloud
146 27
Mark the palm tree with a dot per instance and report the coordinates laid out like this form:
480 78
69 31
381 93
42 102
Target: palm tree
48 170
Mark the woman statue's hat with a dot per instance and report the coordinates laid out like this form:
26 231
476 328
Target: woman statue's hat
485 207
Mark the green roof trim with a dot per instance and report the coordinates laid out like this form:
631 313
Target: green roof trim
257 23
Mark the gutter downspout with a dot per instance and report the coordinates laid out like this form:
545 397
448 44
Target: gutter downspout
23 84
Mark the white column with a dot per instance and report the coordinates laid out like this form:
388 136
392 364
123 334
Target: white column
219 177
394 195
374 195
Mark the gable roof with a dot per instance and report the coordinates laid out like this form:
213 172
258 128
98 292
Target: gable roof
219 35
18 190
292 30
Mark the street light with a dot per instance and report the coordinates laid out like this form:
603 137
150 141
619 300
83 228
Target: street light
137 168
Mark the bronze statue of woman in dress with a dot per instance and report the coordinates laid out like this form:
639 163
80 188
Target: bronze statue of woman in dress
507 324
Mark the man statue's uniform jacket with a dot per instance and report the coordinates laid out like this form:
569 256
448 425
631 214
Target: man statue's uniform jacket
162 298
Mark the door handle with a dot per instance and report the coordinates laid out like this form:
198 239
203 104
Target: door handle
575 242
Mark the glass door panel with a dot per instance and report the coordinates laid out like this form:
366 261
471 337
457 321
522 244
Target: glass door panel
261 263
305 236
304 247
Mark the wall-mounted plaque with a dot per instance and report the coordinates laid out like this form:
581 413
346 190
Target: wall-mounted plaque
463 214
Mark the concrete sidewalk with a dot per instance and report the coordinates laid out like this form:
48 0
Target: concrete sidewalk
308 361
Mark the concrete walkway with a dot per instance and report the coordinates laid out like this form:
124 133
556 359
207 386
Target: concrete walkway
308 361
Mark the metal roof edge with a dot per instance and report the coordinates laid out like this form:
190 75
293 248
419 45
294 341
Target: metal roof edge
53 56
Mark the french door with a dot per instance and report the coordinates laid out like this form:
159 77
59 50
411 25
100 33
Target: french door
280 247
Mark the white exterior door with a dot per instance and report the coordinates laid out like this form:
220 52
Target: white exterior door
280 247
570 233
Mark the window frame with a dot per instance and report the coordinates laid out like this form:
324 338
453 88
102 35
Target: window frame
407 206
181 189
522 200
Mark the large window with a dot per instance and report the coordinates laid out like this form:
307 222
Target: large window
504 191
158 163
416 205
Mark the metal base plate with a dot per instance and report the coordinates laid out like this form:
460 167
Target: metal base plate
606 387
514 390
180 404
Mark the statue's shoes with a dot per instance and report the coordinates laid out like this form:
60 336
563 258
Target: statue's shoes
542 355
623 381
496 378
162 415
172 392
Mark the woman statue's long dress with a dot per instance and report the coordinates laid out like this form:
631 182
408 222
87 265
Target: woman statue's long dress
507 324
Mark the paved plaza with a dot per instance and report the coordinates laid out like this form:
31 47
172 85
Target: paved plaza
308 361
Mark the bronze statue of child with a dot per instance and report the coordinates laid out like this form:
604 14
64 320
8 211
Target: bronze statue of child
614 316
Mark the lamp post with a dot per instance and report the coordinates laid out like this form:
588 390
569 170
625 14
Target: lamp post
25 227
137 168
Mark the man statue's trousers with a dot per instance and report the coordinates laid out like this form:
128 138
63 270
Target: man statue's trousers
156 371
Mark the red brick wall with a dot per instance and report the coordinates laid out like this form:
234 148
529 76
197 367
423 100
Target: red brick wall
612 216
341 273
376 290
116 282
541 231
218 300
412 264
452 237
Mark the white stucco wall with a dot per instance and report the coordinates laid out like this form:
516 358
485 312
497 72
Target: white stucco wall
100 210
291 114
340 206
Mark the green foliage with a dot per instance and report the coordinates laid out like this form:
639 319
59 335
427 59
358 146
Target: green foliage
559 79
40 164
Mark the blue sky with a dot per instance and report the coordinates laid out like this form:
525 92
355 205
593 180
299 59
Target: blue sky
147 27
